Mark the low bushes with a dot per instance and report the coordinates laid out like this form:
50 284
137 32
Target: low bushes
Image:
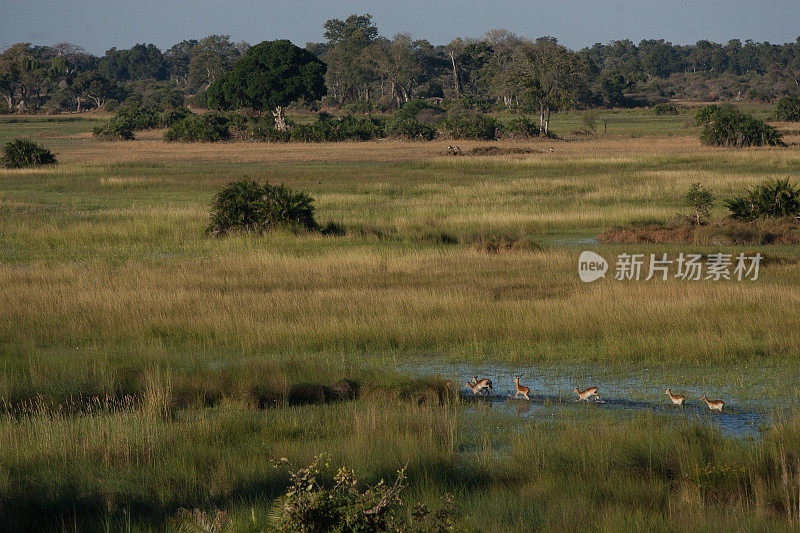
665 109
727 126
788 109
115 130
245 205
137 116
328 128
404 122
468 124
21 153
264 129
770 199
130 118
209 127
171 116
522 127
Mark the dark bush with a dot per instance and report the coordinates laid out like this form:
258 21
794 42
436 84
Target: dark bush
788 109
169 117
118 130
770 199
665 109
21 153
705 114
404 122
137 116
264 130
468 124
131 117
521 127
210 127
245 205
328 128
727 126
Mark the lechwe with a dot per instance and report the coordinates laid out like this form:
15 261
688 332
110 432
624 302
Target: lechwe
521 389
714 405
585 395
480 385
677 399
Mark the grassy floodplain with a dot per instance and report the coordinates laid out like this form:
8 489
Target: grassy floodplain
136 355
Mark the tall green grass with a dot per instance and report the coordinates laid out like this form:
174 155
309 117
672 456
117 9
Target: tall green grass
136 355
105 468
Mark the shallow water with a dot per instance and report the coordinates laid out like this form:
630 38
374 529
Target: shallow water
626 391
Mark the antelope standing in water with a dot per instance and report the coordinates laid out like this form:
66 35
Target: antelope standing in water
480 384
677 399
714 405
521 389
585 395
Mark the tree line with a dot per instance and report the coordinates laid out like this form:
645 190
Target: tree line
366 71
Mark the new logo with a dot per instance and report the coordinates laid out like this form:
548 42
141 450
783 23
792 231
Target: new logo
591 266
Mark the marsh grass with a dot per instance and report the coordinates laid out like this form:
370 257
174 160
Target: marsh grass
109 467
145 367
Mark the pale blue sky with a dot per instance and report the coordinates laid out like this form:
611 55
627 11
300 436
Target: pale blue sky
100 24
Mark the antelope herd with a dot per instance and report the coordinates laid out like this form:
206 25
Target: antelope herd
478 385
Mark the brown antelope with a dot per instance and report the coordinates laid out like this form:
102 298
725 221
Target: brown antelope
480 384
585 395
677 399
714 405
521 389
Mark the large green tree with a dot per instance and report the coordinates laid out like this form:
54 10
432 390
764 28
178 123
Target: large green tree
547 76
209 58
95 86
349 72
270 76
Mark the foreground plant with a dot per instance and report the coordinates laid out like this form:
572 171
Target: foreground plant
700 200
727 126
245 205
308 505
21 153
770 199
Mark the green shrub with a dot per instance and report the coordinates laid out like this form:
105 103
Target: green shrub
169 117
404 122
264 130
727 126
770 199
468 124
210 127
309 505
328 128
245 205
665 109
118 130
21 153
522 127
131 117
700 200
788 109
410 128
705 114
137 116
